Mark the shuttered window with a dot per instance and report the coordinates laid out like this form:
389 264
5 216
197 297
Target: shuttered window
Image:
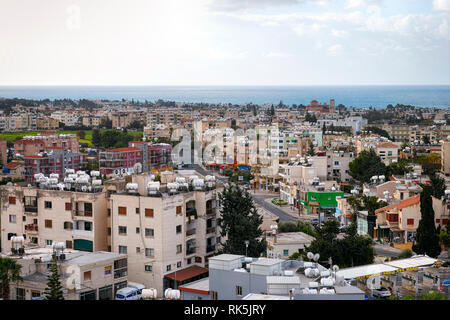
123 211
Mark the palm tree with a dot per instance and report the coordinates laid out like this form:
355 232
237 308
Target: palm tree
9 272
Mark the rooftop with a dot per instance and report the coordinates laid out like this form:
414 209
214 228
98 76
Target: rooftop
199 286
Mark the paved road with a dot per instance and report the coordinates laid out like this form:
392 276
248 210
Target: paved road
260 200
386 251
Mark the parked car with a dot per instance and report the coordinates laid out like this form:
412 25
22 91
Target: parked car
138 286
315 221
445 285
381 293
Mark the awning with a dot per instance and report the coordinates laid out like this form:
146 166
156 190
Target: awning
187 273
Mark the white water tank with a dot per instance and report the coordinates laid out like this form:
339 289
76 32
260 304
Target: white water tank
95 173
149 294
96 182
180 180
131 186
54 175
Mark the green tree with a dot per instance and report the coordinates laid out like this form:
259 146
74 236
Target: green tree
96 138
431 163
427 238
437 186
399 168
311 150
9 272
81 134
239 221
53 291
366 165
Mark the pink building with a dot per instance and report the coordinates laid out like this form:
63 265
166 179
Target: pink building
31 145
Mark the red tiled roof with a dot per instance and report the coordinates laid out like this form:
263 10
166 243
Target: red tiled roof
34 157
137 142
12 165
388 145
187 273
125 149
29 141
403 204
55 148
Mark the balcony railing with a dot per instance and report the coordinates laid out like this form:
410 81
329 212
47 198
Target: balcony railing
31 228
190 251
190 232
83 213
82 233
31 209
211 230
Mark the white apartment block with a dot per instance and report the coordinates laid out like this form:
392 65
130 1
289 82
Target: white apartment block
43 217
163 230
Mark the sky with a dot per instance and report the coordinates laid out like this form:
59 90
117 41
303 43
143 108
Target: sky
224 42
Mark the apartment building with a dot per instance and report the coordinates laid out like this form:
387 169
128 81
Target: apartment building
84 275
315 106
398 222
138 157
43 216
235 277
338 165
156 131
68 118
32 145
445 156
164 227
91 121
47 123
55 160
388 152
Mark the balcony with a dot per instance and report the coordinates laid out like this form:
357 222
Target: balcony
83 234
190 251
31 228
210 247
190 232
31 210
82 213
210 211
211 230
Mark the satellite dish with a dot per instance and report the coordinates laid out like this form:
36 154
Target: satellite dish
310 255
137 167
117 172
335 268
316 257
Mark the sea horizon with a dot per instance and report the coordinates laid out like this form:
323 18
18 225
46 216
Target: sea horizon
359 96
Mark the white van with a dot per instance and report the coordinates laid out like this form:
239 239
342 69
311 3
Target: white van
128 293
138 286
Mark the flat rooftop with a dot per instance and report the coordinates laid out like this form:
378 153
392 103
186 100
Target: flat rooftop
266 262
199 286
226 257
258 296
293 237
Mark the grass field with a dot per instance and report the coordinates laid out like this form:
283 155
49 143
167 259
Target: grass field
13 136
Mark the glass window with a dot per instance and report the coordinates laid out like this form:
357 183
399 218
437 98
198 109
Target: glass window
20 294
123 249
149 232
148 268
149 252
48 204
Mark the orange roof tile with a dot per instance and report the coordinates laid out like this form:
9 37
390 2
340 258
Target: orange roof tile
403 204
187 273
388 145
125 149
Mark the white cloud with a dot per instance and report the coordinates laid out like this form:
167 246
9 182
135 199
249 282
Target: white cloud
339 33
278 55
443 5
306 29
235 5
335 50
359 3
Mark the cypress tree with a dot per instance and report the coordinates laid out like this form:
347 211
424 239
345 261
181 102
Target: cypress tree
239 221
427 238
54 287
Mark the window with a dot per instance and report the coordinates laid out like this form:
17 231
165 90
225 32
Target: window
123 249
179 248
410 222
109 231
138 230
88 295
149 213
120 268
149 233
189 261
68 244
148 268
179 229
48 204
168 267
48 224
137 210
105 293
214 295
108 270
123 211
138 250
238 290
68 206
35 293
336 163
68 225
179 210
285 252
12 200
149 252
122 230
48 242
179 264
20 294
87 276
12 218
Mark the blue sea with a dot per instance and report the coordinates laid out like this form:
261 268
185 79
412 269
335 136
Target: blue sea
350 96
